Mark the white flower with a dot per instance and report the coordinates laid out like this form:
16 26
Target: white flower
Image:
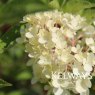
69 33
75 71
92 48
58 91
89 62
66 57
74 22
60 43
76 49
89 41
82 85
43 36
79 57
59 40
87 67
85 93
89 30
44 60
28 35
55 83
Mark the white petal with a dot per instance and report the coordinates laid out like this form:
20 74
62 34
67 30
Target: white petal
74 49
79 57
42 40
92 48
79 87
85 93
89 41
30 55
55 83
28 35
86 83
75 71
58 91
87 67
89 29
69 33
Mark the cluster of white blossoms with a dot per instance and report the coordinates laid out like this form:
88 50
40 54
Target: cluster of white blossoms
60 43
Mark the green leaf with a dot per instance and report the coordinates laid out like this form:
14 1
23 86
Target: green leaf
24 76
76 6
11 35
4 83
55 4
89 13
45 1
2 45
13 11
92 1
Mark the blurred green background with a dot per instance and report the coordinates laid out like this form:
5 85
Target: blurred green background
13 59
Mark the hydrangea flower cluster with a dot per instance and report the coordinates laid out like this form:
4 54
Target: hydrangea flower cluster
60 43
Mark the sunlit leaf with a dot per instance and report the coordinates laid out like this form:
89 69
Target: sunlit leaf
89 13
55 4
4 83
75 6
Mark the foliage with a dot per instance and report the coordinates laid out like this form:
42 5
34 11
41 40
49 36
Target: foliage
4 83
2 45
